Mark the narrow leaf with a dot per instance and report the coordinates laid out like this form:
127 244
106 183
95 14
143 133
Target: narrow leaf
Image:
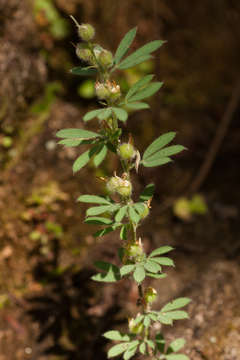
137 106
76 134
152 266
116 350
157 276
147 91
177 315
176 345
133 62
121 114
97 210
92 114
138 85
176 304
160 342
126 269
147 321
121 213
124 45
133 215
147 193
70 142
159 143
98 220
142 51
142 348
93 199
83 71
139 274
168 151
110 272
163 261
161 250
130 353
156 162
177 357
116 335
81 161
100 156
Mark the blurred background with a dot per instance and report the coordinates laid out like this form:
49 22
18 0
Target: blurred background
49 307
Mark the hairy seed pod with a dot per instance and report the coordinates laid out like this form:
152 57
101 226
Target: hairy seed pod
126 151
135 328
105 58
86 32
150 295
124 189
83 52
102 91
134 252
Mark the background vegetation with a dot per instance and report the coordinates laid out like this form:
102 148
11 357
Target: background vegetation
49 308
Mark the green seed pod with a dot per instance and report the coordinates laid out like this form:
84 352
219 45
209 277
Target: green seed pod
83 52
135 328
102 91
134 252
125 188
150 295
113 184
86 32
126 151
105 58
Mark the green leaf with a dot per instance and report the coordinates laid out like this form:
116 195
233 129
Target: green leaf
106 230
121 213
105 114
123 232
94 199
161 250
164 319
69 142
137 106
152 266
124 45
100 156
140 208
116 350
142 348
147 91
133 62
82 160
142 52
168 151
146 321
121 114
176 315
157 276
83 71
116 335
176 345
147 193
160 342
139 274
150 344
110 274
177 357
138 85
126 269
158 144
92 114
156 162
97 210
176 304
130 353
163 261
97 220
76 134
133 214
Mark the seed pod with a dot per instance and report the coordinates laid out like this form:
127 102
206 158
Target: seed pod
105 58
150 295
83 52
126 151
135 328
86 32
113 184
102 92
125 188
134 252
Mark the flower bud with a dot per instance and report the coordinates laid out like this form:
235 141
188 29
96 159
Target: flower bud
86 32
120 186
83 52
102 91
134 252
126 151
105 58
135 328
150 295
